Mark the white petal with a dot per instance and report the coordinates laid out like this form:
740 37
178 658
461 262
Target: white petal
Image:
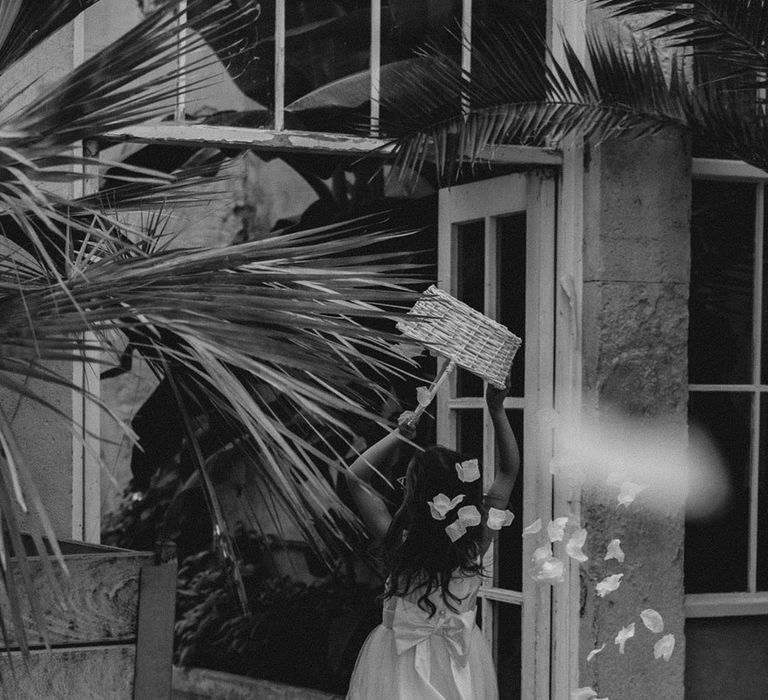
608 584
533 528
615 551
423 396
652 620
469 515
498 518
628 492
583 694
556 529
456 530
435 511
664 647
624 634
575 543
468 471
546 567
592 654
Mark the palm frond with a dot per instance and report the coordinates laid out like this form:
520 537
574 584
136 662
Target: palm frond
286 316
23 26
730 31
518 93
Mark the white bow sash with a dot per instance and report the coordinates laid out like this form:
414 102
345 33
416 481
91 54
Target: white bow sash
413 628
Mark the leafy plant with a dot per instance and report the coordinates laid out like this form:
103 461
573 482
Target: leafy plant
236 327
323 624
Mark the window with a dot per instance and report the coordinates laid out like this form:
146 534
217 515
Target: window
726 554
490 240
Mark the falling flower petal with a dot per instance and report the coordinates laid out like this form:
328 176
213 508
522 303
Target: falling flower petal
546 567
456 530
498 519
615 551
624 634
592 654
423 396
469 515
628 492
664 647
556 529
608 584
652 620
441 504
468 471
573 548
583 694
533 528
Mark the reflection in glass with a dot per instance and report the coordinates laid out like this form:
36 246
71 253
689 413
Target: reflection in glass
716 548
508 656
469 432
470 284
509 545
510 261
762 500
722 257
736 647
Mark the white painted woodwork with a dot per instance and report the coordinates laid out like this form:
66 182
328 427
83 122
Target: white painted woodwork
86 415
206 135
375 63
757 340
718 169
568 21
726 604
535 194
279 106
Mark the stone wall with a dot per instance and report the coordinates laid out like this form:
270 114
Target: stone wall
635 316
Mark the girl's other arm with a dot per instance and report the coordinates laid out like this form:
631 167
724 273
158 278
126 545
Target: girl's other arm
509 453
362 471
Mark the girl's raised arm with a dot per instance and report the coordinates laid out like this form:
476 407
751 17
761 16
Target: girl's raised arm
509 453
374 461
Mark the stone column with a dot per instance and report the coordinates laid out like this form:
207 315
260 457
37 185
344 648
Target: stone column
635 325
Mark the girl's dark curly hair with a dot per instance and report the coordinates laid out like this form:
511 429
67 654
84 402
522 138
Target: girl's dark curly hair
417 550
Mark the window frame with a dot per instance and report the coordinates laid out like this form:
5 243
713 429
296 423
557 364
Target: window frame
752 601
535 193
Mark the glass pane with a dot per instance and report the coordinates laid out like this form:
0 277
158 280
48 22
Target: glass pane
470 282
510 262
726 657
722 255
762 502
508 657
509 548
469 433
716 548
764 320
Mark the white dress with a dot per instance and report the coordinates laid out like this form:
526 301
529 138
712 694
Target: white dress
411 656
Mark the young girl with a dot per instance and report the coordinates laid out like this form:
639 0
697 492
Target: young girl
427 646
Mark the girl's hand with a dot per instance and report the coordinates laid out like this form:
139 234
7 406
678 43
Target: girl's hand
494 398
406 424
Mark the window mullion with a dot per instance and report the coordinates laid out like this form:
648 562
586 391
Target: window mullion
279 106
375 54
757 312
466 48
181 63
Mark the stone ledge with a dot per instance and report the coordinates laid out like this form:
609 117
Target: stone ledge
203 683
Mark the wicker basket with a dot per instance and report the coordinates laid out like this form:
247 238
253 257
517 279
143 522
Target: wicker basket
462 334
